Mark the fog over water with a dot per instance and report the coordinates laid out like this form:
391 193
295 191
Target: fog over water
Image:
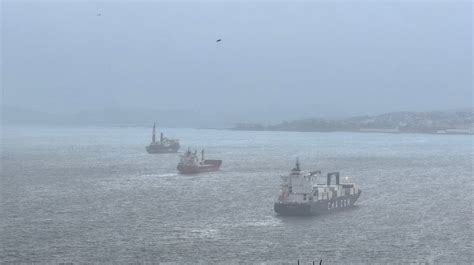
276 61
81 79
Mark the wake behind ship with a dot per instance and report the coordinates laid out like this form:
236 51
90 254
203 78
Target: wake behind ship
190 164
165 145
301 195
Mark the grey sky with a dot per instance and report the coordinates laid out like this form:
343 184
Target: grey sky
362 57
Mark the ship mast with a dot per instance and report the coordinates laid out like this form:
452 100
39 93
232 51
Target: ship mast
153 137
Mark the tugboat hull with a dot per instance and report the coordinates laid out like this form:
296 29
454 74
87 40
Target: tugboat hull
157 149
317 207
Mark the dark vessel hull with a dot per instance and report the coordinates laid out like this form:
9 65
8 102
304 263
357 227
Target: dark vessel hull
318 207
207 166
158 149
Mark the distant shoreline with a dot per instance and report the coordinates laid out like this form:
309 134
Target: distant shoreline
337 131
45 126
435 122
450 122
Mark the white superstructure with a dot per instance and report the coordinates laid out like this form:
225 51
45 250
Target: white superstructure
302 187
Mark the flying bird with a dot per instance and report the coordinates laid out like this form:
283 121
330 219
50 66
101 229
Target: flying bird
219 40
99 14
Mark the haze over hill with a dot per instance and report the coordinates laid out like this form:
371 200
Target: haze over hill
199 118
276 61
452 122
405 121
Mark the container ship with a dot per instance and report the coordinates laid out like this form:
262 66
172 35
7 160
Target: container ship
301 194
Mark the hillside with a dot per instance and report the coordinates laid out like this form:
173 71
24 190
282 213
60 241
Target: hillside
456 121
